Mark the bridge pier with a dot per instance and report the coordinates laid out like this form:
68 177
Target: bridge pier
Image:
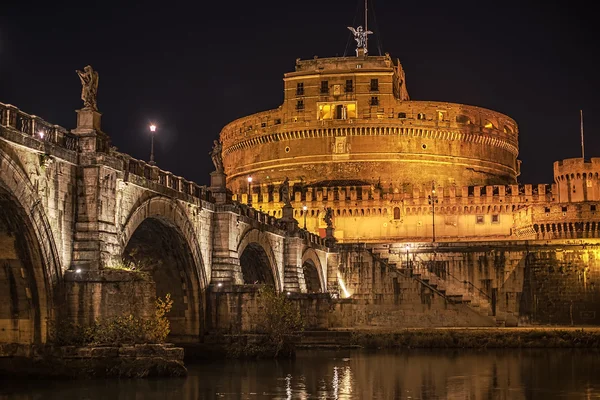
95 238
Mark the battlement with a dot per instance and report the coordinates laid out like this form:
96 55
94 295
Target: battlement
577 179
342 63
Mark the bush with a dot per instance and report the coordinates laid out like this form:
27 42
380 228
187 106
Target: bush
279 318
125 329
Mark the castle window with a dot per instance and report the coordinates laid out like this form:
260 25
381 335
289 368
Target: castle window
546 210
263 124
401 115
396 212
374 101
463 119
300 105
341 110
349 86
488 124
593 207
374 85
479 219
324 87
420 116
506 129
495 218
564 209
440 115
300 89
278 121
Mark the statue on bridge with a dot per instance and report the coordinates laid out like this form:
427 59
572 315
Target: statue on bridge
217 157
285 191
89 89
328 218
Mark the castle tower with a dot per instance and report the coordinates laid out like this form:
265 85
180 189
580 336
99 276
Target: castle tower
351 119
577 180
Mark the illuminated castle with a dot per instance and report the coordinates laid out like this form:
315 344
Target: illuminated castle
348 137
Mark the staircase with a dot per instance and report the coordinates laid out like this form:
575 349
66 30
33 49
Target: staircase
453 290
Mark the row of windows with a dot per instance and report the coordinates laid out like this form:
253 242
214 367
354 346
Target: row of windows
349 88
373 102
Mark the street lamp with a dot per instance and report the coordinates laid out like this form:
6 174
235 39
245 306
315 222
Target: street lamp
249 190
152 130
304 208
433 199
407 247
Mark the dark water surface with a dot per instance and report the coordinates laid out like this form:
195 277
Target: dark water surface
353 374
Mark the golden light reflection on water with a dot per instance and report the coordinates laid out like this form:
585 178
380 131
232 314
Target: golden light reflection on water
344 375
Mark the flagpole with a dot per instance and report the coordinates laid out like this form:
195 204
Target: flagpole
582 148
366 27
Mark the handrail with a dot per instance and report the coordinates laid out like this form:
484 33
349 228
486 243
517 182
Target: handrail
422 282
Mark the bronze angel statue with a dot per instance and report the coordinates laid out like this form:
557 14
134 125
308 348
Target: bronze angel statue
360 36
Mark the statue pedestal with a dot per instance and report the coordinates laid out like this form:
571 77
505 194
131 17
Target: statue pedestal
91 137
88 119
218 186
329 238
287 217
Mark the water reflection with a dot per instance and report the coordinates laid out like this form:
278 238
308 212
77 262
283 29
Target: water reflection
433 374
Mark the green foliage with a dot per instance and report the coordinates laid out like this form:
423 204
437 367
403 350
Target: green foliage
278 317
479 339
118 330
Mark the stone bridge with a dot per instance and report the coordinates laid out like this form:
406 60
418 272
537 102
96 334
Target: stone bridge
74 213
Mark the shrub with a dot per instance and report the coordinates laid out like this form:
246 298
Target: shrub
279 317
124 329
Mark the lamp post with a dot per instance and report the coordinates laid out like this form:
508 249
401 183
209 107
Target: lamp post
249 190
152 130
304 208
433 199
407 259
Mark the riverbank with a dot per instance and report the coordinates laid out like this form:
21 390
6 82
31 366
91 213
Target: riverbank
473 338
133 361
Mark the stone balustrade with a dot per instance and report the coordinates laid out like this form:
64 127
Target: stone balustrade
34 126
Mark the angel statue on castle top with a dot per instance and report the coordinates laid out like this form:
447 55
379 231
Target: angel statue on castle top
360 36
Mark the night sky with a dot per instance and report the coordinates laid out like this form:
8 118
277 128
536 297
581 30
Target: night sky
192 68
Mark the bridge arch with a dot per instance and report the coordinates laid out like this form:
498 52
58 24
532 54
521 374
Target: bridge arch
257 259
30 266
313 271
159 237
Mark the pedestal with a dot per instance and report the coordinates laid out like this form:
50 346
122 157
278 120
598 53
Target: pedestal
218 186
91 137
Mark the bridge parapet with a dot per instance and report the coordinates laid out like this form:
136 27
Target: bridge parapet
143 174
34 126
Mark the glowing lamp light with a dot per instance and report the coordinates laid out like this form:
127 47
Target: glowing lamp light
407 247
41 133
152 128
219 284
304 208
78 270
249 179
288 293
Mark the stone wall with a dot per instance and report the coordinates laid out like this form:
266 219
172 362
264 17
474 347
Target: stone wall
95 295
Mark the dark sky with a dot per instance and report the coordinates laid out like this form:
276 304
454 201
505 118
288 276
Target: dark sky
193 67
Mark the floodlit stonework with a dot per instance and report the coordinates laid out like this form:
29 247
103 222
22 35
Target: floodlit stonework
348 137
428 225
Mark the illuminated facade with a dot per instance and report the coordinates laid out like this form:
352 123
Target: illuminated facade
347 136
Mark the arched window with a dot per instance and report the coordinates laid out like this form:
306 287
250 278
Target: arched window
396 212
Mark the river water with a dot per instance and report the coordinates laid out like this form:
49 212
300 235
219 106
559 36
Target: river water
352 374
